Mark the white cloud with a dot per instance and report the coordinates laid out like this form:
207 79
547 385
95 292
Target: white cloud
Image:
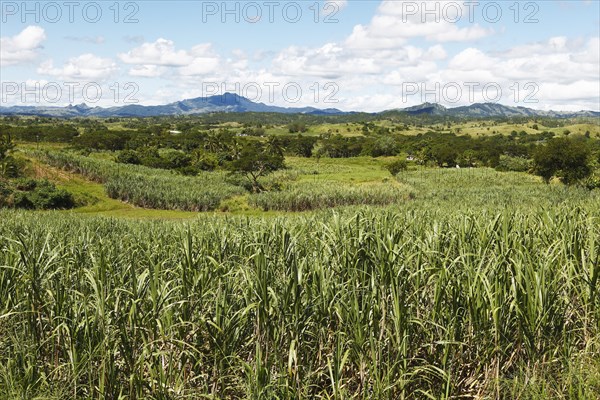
333 6
161 52
394 24
370 65
199 60
86 67
21 47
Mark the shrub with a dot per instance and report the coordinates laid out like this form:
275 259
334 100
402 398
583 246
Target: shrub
517 164
128 157
46 196
5 192
25 184
396 167
22 200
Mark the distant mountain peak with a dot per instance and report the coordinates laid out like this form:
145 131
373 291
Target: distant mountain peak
81 106
484 110
234 103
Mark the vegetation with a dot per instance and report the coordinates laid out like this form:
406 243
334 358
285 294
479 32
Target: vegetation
563 158
38 195
479 282
9 166
397 166
146 187
26 193
311 196
384 304
257 160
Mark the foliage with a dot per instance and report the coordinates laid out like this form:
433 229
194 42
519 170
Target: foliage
397 166
147 187
59 133
564 158
10 167
34 194
417 304
128 157
297 127
256 161
311 196
517 164
102 140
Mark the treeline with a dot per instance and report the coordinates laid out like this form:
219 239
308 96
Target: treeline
196 151
433 148
59 133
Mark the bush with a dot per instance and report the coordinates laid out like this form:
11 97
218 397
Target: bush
206 161
396 167
21 200
176 159
128 157
38 195
297 127
516 164
25 184
46 196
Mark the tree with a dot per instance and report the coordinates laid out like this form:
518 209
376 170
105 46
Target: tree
6 146
444 154
256 161
467 159
274 146
564 158
128 157
396 167
297 127
9 166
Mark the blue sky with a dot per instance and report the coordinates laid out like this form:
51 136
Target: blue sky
349 54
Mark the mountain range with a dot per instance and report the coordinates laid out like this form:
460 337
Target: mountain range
233 103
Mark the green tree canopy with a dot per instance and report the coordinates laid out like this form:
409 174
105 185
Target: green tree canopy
563 158
256 160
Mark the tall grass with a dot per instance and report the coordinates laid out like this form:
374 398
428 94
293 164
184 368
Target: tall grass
306 196
148 187
417 304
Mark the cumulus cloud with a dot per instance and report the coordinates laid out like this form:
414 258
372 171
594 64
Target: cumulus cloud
148 57
370 64
395 23
161 52
86 67
22 47
333 6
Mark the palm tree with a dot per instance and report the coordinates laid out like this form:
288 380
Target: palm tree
212 142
